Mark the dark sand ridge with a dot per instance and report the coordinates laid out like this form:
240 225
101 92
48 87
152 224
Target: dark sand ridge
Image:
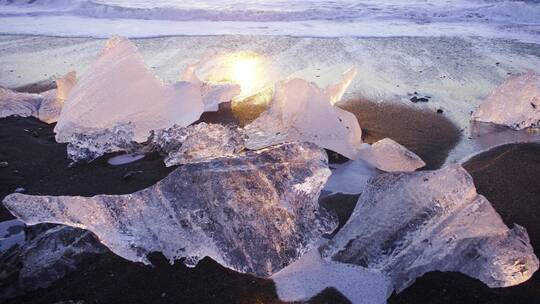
41 167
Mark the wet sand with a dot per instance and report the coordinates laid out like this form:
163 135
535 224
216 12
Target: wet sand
427 133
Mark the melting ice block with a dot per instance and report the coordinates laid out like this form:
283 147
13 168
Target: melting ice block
256 212
119 89
407 224
197 143
301 111
390 156
515 103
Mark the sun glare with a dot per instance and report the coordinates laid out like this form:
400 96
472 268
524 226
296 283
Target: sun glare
247 69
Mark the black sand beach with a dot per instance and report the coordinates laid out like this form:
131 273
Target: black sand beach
508 176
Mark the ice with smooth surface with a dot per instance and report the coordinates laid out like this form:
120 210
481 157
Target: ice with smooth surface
311 274
390 156
301 111
118 88
197 143
514 103
409 223
350 177
256 212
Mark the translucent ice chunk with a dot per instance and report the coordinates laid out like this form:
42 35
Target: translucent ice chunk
18 104
409 223
390 156
301 111
515 103
118 88
255 212
335 91
196 143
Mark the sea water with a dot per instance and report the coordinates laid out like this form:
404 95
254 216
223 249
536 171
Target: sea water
303 18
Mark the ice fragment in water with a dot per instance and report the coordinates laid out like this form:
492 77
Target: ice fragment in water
409 223
255 212
196 143
515 103
118 88
301 111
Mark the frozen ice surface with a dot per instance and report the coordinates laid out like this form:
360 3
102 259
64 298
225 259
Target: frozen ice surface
408 223
311 274
515 103
47 255
197 143
85 147
301 111
118 88
350 177
256 212
389 156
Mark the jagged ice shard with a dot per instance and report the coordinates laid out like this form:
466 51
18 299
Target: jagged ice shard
407 224
197 143
515 103
255 212
119 89
301 111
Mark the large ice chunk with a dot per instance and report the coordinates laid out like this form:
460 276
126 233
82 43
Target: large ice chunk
301 111
256 212
196 143
515 103
407 224
118 88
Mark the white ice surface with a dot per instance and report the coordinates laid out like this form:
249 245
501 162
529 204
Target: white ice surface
311 274
350 177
